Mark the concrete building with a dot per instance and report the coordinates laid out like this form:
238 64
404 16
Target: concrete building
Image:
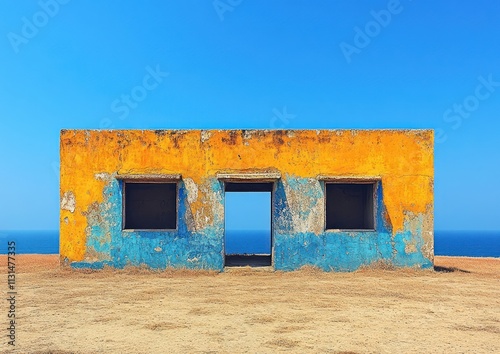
341 199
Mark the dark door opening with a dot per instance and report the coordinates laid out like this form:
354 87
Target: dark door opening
248 228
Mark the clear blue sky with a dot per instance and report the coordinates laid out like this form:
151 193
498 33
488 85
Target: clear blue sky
326 64
248 211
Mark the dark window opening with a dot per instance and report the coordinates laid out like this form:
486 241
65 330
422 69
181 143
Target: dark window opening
150 206
350 206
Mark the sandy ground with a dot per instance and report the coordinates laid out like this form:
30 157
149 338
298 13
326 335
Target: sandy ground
453 310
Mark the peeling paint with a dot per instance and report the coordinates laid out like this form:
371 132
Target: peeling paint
306 203
103 176
192 190
68 202
401 160
205 135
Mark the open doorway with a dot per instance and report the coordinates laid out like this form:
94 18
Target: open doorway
248 227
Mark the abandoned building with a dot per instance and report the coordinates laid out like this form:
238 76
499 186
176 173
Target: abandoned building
340 199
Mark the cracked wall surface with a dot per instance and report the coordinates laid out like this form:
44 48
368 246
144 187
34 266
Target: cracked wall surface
402 162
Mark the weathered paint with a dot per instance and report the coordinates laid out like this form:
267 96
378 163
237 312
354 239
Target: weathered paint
91 195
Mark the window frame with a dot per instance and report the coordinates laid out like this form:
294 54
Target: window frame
150 181
373 182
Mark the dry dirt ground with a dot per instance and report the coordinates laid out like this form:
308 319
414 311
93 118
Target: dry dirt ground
453 310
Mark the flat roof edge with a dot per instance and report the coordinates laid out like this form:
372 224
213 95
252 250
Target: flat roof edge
258 129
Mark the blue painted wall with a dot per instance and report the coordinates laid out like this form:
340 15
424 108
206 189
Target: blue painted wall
295 242
339 250
182 248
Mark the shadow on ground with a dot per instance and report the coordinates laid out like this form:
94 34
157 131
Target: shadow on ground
449 269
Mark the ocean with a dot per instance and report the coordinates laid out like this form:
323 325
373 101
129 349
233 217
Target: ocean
446 243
